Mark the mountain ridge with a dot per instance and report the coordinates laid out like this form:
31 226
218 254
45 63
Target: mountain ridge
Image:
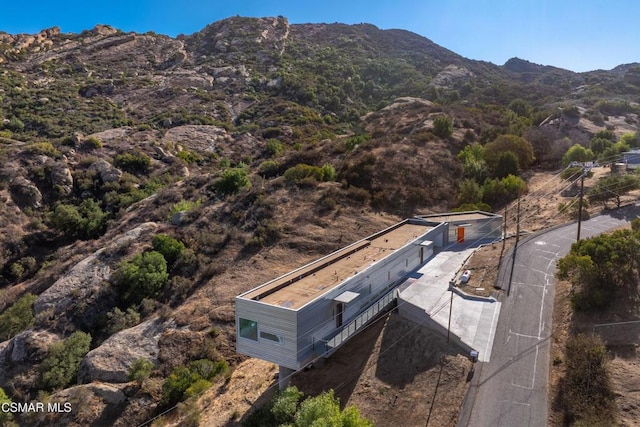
258 145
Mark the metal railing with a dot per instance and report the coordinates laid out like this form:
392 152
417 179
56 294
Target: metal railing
359 322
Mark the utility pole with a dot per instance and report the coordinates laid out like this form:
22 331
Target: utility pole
580 202
450 310
515 248
504 235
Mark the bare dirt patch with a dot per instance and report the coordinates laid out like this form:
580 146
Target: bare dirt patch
484 264
395 372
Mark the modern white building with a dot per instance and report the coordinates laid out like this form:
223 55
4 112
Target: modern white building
310 312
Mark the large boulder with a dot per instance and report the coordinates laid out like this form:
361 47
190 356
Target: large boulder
86 277
108 172
32 346
112 361
61 178
25 193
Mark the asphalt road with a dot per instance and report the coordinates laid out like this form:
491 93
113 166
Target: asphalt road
511 389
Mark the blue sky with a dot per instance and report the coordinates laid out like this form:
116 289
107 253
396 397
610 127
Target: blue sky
579 35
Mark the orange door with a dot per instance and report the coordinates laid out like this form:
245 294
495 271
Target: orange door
460 234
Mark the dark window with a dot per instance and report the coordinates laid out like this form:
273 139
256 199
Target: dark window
339 311
249 329
269 336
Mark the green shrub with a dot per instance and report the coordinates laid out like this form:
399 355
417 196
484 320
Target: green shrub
443 126
208 369
43 148
285 405
92 143
307 174
23 267
60 367
356 140
196 388
135 162
288 408
17 317
119 320
184 206
174 386
232 181
86 221
328 172
5 416
189 156
273 147
587 395
140 371
185 382
169 247
269 168
142 277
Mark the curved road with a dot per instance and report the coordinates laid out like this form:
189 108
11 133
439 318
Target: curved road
511 389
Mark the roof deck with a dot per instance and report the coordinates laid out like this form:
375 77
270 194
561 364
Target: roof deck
303 285
460 216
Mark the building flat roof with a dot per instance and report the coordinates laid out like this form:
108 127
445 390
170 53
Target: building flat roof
297 288
459 216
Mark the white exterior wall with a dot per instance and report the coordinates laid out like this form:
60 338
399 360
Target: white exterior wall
272 319
477 229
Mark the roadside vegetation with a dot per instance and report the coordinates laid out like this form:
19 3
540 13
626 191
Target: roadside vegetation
603 272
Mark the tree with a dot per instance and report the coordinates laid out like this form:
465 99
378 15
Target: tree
498 191
470 192
507 164
632 139
86 221
577 153
517 145
232 181
443 126
60 367
520 107
473 164
169 247
285 405
142 277
324 410
473 151
18 317
599 145
613 187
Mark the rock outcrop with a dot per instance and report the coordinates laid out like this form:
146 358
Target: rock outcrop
25 193
31 346
112 361
108 172
61 178
86 277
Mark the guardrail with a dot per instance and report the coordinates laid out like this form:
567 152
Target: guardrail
363 319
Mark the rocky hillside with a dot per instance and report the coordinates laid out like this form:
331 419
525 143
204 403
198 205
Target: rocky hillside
146 180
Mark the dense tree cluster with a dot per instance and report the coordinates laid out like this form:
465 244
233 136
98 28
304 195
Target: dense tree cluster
289 408
601 266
